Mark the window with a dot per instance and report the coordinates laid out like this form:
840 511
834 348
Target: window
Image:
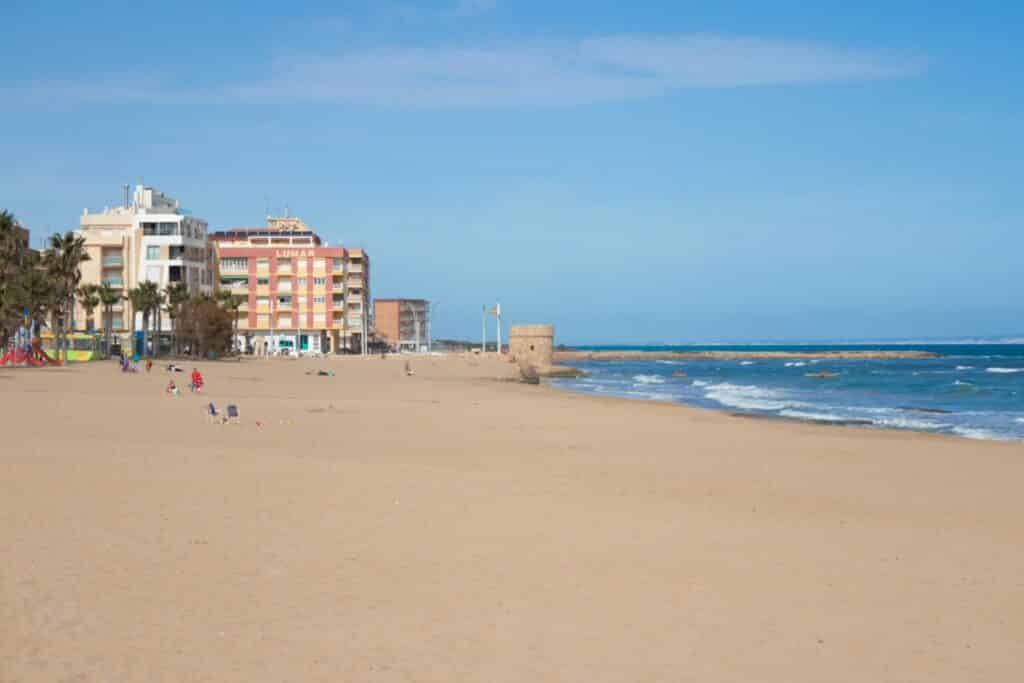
302 282
262 281
338 264
284 264
318 300
302 301
117 323
319 281
319 264
234 263
153 253
176 252
262 263
263 320
285 301
284 321
318 318
262 300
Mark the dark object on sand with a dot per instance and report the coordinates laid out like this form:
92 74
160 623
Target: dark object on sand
822 373
408 369
320 373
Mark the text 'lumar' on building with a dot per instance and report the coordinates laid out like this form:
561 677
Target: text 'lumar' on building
298 294
149 237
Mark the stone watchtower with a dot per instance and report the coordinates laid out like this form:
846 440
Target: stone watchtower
532 345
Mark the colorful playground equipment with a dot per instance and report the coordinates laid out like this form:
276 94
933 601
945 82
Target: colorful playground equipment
81 346
30 346
33 356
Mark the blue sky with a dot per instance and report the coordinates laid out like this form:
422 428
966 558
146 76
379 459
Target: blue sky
665 173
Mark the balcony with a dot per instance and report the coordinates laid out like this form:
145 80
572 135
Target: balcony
115 282
112 262
356 268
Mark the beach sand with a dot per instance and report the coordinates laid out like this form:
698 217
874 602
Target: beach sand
455 526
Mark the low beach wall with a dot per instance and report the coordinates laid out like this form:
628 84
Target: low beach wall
570 356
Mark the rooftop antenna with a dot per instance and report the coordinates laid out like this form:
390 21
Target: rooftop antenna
286 211
125 186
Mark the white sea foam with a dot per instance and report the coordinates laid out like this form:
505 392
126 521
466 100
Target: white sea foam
1004 371
747 362
965 367
958 383
648 379
817 417
795 364
974 433
909 423
669 362
749 397
699 383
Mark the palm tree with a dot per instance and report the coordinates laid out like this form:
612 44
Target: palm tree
89 298
12 245
108 296
156 302
137 299
63 262
177 295
32 292
150 303
12 257
231 304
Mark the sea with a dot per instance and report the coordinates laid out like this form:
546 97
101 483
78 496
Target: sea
969 390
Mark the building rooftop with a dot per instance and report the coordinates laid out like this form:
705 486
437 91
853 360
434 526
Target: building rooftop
248 233
143 200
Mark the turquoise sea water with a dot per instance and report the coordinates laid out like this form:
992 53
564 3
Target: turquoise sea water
970 390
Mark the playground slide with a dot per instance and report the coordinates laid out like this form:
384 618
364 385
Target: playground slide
37 358
43 358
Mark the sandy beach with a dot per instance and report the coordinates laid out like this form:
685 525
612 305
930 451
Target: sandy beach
458 526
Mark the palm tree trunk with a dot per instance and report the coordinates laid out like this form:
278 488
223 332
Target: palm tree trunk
106 331
159 329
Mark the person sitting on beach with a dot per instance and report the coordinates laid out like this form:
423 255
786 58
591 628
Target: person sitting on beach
172 389
197 381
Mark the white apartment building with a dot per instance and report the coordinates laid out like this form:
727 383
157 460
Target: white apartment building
150 237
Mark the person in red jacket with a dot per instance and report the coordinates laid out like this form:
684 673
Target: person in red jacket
197 380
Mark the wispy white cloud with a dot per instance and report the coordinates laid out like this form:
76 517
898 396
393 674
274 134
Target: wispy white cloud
533 74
